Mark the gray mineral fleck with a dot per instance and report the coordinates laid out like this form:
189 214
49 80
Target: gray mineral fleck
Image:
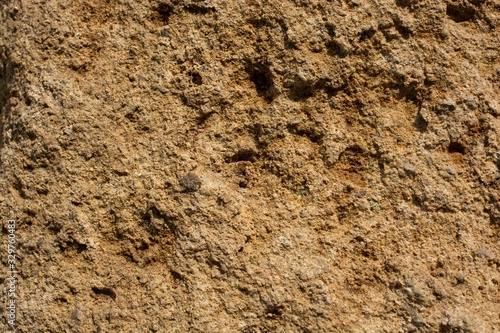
448 106
190 182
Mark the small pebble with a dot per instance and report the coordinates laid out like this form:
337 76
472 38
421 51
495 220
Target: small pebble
448 106
460 278
190 182
451 170
471 103
410 169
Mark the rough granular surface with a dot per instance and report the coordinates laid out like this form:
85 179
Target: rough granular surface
251 165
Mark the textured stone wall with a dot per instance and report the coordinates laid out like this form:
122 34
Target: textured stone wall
251 166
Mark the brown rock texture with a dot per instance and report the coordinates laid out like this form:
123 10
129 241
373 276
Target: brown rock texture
251 165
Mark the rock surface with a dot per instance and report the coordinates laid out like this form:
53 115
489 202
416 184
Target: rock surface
343 160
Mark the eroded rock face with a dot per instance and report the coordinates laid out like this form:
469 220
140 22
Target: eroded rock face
343 162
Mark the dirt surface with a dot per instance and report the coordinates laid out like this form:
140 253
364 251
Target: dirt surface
251 166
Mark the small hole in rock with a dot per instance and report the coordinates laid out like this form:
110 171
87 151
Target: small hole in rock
104 291
261 76
165 10
198 10
460 13
366 34
196 78
330 28
274 311
176 275
456 147
420 123
249 155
